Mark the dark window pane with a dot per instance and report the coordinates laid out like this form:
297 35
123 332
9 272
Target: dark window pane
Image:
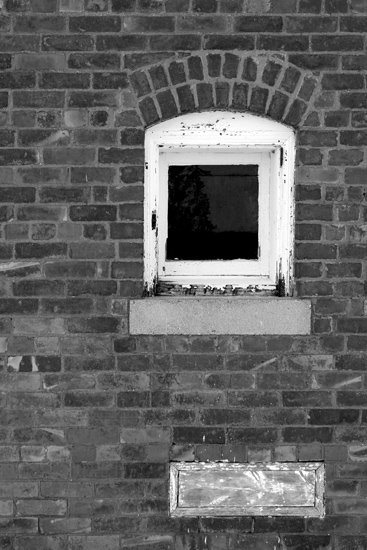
213 212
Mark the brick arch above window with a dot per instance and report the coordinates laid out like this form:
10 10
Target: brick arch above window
259 84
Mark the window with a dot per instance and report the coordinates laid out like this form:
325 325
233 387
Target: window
218 203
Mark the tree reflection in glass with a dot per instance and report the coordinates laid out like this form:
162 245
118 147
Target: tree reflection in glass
213 212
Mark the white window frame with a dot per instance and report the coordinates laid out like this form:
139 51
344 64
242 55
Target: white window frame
218 137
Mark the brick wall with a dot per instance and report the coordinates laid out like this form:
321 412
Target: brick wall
90 416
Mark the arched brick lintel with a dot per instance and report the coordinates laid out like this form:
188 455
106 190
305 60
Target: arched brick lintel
260 84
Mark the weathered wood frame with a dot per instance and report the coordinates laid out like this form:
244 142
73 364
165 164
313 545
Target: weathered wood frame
242 510
208 272
232 132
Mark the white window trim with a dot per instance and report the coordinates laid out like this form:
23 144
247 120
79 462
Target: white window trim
209 135
187 271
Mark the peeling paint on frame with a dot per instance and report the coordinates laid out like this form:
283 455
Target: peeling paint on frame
223 131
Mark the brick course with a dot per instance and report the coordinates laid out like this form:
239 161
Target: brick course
91 415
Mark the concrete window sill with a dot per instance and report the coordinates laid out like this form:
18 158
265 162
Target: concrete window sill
220 315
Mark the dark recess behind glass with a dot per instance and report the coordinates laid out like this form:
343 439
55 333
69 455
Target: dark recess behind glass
213 212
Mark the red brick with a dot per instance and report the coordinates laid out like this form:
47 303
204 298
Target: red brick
195 68
5 61
96 232
310 6
64 195
167 104
67 305
308 157
43 231
333 416
307 541
94 61
353 325
37 23
122 5
271 73
307 88
63 80
318 138
70 269
93 213
38 288
205 23
177 73
353 100
19 43
348 81
33 250
148 24
196 435
277 105
359 119
240 96
315 251
36 137
92 175
336 43
255 23
358 6
222 94
92 99
307 435
353 137
204 6
310 398
310 24
290 79
95 24
92 250
314 61
291 43
127 270
336 6
3 99
117 80
67 43
69 156
225 42
307 212
259 97
121 42
41 175
252 435
177 5
19 525
92 325
17 80
353 251
355 176
17 194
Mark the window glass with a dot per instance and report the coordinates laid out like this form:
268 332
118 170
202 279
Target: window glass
213 212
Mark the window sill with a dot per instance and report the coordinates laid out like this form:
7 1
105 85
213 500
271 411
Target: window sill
220 315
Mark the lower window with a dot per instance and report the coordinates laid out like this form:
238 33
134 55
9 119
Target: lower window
233 489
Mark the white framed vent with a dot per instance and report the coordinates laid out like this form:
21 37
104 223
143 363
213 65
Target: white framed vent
262 489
